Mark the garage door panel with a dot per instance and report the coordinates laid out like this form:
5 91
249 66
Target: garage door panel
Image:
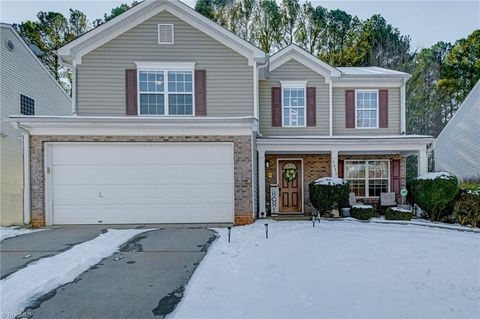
142 183
147 153
85 194
147 175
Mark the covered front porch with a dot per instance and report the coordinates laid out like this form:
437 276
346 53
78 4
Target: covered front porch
371 165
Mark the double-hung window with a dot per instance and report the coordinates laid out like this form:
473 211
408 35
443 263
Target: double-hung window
368 178
165 92
366 108
293 103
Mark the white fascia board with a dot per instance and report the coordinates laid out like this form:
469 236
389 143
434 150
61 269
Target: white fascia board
165 66
368 82
179 10
294 84
138 126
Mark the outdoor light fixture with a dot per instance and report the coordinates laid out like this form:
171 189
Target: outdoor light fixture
267 164
266 231
229 233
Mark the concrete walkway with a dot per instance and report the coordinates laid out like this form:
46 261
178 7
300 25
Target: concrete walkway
145 279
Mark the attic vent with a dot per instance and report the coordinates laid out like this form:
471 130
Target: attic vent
165 34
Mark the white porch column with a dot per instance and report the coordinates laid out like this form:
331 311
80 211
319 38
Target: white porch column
261 182
334 162
422 161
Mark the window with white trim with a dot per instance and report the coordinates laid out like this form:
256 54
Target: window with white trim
368 178
293 105
165 92
27 105
366 108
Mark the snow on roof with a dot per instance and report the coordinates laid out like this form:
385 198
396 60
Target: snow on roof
330 181
435 175
370 71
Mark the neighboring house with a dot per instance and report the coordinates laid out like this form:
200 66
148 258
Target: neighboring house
26 88
457 147
180 121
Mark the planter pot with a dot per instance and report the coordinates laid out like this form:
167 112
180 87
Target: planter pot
346 212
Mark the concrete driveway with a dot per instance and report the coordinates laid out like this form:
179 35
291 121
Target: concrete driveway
145 279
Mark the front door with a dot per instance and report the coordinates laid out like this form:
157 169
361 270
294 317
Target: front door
290 182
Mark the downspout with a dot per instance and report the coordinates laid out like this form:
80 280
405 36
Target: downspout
256 88
26 174
330 108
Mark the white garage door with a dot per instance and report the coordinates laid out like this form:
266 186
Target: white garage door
113 183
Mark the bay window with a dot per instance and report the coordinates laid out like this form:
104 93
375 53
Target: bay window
168 92
368 178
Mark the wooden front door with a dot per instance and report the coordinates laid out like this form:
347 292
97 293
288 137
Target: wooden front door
290 182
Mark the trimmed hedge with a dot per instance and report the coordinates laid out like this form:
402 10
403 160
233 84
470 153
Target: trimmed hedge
397 214
434 193
328 193
362 213
467 206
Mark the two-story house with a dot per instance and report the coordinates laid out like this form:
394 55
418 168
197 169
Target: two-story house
178 120
28 88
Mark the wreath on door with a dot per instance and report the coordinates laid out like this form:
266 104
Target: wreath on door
290 172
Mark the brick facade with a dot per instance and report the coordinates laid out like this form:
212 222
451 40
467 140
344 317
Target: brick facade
242 171
314 166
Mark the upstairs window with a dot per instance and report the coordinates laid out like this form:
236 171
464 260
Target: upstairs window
165 92
27 105
366 108
293 104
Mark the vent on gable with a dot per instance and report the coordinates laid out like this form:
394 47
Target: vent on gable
165 34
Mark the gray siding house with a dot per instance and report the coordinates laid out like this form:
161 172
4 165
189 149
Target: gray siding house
178 120
457 147
26 87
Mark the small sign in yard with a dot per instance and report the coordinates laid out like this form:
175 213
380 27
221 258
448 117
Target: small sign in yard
404 193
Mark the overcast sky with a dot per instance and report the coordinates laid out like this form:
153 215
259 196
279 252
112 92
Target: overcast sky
427 22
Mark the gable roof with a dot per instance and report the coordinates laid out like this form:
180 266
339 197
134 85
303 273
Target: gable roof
295 52
34 57
142 12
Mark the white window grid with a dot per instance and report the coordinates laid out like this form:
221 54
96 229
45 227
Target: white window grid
366 109
357 181
27 105
170 85
293 106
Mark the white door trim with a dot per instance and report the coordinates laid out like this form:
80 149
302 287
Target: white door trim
303 189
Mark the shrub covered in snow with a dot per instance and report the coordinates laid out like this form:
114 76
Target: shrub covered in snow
362 212
395 213
467 206
329 192
434 192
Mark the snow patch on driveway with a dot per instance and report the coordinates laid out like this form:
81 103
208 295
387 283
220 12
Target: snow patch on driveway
336 270
8 232
24 286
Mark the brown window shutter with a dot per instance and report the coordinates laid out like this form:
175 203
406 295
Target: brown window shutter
350 108
383 108
131 91
276 106
200 92
340 168
311 106
395 177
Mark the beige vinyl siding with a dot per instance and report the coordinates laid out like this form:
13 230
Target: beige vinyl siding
21 73
101 76
339 114
457 148
293 71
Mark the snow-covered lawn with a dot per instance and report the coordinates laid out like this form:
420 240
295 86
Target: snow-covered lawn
24 286
339 269
7 232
